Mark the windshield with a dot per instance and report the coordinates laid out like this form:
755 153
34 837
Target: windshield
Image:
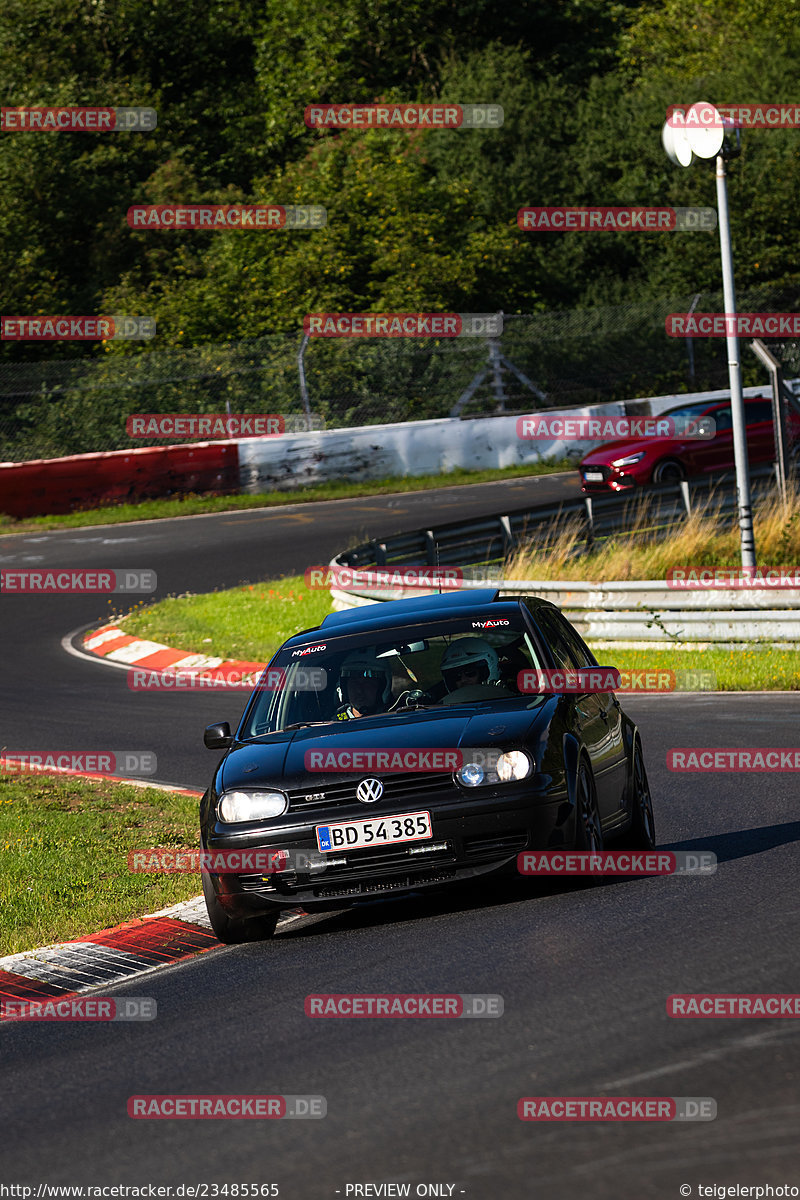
691 412
356 676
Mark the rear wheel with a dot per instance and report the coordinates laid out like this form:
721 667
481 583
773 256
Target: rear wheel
236 929
669 470
642 832
588 831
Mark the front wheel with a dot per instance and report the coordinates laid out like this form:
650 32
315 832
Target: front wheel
642 832
669 470
233 930
588 831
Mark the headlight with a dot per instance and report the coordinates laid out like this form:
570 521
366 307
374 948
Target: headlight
236 806
629 460
513 765
507 767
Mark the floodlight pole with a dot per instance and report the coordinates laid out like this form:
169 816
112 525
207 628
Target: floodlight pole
735 375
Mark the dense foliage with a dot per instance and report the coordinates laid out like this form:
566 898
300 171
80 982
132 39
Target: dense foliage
416 220
422 220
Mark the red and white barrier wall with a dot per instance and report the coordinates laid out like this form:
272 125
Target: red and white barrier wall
61 485
296 460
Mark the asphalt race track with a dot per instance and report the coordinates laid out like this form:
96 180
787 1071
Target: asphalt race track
584 969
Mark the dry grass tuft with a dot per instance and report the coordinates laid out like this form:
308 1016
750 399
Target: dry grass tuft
646 553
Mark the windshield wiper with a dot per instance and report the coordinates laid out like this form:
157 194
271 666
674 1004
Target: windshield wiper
302 725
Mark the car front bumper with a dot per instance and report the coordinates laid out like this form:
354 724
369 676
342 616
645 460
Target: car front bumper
473 837
614 482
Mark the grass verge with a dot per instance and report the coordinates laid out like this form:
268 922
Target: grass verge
746 669
191 505
253 622
249 622
64 846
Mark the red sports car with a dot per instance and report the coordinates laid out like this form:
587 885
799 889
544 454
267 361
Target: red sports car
635 462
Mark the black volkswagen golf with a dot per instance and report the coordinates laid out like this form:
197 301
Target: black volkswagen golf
392 749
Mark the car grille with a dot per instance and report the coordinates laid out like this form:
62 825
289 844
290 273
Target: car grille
398 867
401 883
605 471
409 789
508 843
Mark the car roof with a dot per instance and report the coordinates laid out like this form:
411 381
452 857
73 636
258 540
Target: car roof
390 613
723 402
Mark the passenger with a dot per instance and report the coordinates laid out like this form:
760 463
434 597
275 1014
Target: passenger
469 660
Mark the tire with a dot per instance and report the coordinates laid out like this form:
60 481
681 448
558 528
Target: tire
642 832
588 830
233 930
669 470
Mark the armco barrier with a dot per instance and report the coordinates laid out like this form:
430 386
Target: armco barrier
642 611
646 612
61 485
493 538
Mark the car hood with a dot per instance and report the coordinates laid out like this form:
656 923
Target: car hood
602 455
279 758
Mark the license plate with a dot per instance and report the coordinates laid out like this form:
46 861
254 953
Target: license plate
593 476
380 831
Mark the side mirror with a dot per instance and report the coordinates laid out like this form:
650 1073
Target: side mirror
611 680
218 737
591 680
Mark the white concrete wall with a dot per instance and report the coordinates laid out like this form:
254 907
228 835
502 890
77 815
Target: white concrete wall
420 447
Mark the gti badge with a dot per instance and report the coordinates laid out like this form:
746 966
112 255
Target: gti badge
369 790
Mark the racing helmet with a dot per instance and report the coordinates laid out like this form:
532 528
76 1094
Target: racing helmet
365 664
468 652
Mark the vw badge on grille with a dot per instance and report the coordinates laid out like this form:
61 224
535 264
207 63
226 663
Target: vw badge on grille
369 790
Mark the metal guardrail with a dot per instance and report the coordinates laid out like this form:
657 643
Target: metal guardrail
491 539
642 611
638 611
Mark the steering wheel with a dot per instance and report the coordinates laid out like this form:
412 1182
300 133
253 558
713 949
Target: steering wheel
411 698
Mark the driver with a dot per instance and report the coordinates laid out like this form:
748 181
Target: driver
365 685
469 660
